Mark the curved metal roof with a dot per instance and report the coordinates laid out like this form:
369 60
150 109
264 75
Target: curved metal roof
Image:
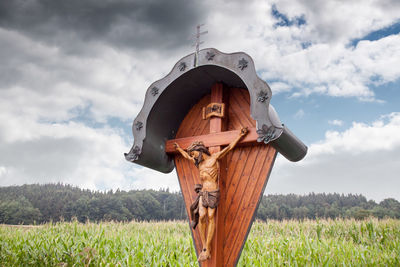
168 100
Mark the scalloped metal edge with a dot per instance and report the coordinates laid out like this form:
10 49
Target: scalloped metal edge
268 124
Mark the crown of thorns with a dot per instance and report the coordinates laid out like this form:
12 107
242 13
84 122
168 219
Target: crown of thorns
198 146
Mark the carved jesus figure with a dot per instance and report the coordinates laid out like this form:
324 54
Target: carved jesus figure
208 191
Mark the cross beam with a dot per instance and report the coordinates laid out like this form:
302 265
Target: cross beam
213 139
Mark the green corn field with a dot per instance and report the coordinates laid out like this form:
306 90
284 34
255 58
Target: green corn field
292 243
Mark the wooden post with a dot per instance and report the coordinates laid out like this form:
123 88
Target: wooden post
218 125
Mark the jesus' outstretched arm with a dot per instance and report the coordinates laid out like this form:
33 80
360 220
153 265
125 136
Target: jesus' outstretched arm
232 145
183 152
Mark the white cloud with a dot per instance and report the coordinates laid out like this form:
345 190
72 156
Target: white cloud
279 87
337 70
145 178
336 122
330 66
340 21
104 82
42 88
299 114
71 153
362 159
54 86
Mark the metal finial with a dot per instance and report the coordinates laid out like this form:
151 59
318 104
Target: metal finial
198 42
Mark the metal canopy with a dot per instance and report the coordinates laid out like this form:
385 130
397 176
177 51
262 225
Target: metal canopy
168 100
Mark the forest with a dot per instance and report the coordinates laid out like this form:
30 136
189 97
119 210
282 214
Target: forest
36 204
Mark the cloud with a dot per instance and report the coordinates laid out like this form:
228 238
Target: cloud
279 87
77 25
299 114
144 178
338 70
55 86
314 57
71 153
339 21
336 122
100 79
362 159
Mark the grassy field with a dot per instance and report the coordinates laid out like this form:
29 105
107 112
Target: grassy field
292 243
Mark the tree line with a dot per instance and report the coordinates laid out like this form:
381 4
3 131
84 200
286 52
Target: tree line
30 204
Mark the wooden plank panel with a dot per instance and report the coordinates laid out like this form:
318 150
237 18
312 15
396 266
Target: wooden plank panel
241 109
233 163
192 178
188 121
234 121
199 124
229 156
192 120
249 203
233 114
186 184
232 181
245 95
240 113
182 181
239 192
205 128
246 225
239 211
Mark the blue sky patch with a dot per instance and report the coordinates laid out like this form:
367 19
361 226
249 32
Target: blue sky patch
379 34
284 21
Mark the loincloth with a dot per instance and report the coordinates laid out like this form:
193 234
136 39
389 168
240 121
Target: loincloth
210 199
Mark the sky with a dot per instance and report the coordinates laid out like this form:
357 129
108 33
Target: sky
73 76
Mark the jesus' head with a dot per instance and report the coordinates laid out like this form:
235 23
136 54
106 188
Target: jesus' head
196 150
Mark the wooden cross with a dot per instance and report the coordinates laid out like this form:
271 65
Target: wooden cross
215 140
217 137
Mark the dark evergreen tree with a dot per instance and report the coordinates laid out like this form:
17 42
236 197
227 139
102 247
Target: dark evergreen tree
29 204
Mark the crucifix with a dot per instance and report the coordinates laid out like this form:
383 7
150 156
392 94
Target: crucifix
208 191
222 132
212 121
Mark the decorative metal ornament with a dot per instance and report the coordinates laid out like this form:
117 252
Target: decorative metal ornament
154 91
262 96
266 134
182 66
210 55
133 155
138 125
242 64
